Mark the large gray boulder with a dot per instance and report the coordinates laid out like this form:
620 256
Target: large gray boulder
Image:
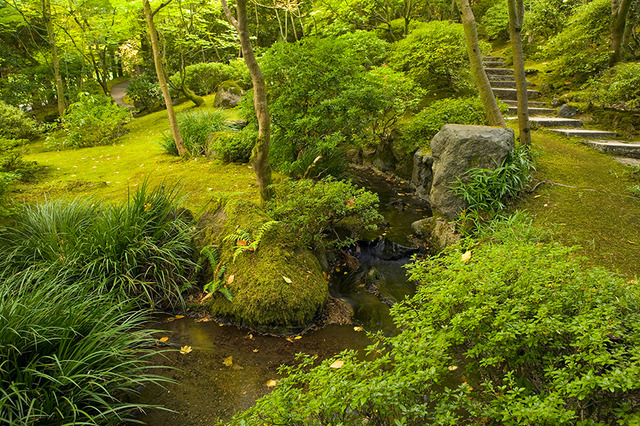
228 95
458 148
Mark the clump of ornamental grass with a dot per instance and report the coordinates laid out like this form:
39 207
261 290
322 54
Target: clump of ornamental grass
68 354
137 249
196 129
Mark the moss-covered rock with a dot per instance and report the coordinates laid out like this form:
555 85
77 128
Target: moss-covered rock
276 287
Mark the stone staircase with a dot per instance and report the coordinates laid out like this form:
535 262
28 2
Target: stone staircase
503 83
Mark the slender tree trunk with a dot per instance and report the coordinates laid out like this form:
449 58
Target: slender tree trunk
516 12
617 32
157 59
260 154
46 15
477 68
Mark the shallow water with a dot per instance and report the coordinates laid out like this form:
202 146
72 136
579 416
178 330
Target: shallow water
208 388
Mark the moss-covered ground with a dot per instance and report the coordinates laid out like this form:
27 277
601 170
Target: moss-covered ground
110 171
587 204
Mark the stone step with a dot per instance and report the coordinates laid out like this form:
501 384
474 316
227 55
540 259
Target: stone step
493 64
501 78
505 84
534 110
511 94
492 58
584 133
498 71
625 149
543 121
532 104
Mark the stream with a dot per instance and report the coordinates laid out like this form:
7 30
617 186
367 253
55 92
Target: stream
229 367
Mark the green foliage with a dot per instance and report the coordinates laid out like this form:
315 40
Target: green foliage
581 50
196 129
11 159
547 18
496 22
138 249
69 355
205 78
327 92
424 125
316 212
243 241
234 147
520 333
93 120
618 87
435 56
145 92
487 192
210 254
15 125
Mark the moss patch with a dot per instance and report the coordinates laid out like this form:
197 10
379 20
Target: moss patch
594 210
278 287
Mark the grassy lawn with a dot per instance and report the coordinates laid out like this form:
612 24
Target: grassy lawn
594 210
109 172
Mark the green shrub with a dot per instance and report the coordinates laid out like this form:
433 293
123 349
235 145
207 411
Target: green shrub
519 333
196 128
581 50
547 18
435 56
69 355
424 125
205 78
496 22
15 125
138 249
618 87
234 147
11 159
315 211
145 93
93 120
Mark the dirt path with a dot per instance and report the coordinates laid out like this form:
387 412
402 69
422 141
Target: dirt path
118 92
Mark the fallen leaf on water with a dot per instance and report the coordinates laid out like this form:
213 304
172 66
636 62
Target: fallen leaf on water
272 383
287 280
297 338
179 316
255 351
185 350
228 361
466 256
205 319
164 339
289 339
337 364
357 328
230 279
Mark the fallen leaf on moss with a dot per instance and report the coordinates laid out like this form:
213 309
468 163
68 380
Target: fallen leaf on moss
272 383
466 256
337 364
228 361
230 279
287 280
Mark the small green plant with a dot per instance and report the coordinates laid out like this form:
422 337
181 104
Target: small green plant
635 190
93 120
211 255
234 147
14 124
145 92
487 191
618 87
196 129
243 241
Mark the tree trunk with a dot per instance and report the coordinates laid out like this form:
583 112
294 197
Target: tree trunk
260 154
617 32
46 15
516 12
477 68
153 36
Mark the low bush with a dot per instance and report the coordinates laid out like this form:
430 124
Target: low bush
93 120
138 249
196 128
14 124
316 211
515 332
618 87
145 93
234 147
69 355
495 22
204 78
11 159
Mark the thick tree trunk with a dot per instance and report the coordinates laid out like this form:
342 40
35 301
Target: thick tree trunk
477 68
46 15
260 154
157 59
617 31
516 12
